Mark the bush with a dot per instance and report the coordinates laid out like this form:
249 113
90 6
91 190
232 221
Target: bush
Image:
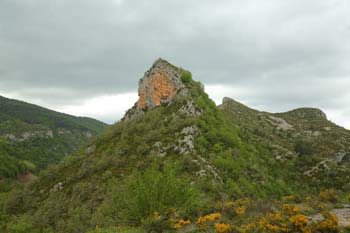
153 191
186 77
303 148
328 196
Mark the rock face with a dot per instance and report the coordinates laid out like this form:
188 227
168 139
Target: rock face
159 85
309 114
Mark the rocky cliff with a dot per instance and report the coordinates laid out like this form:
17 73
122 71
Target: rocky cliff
159 85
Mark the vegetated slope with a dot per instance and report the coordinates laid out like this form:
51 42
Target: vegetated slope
176 151
32 136
319 148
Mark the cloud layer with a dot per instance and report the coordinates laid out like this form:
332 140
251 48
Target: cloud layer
274 55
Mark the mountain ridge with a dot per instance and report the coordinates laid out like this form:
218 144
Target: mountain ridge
186 155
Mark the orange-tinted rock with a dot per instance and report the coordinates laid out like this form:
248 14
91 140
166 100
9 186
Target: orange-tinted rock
157 89
159 85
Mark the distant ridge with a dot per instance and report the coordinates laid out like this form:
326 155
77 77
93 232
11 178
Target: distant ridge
33 137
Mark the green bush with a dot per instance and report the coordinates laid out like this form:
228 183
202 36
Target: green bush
154 191
186 77
303 148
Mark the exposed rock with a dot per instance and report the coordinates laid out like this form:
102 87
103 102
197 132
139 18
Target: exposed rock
186 144
280 123
57 187
11 137
282 154
28 135
63 131
49 133
309 134
160 85
321 166
190 109
227 100
340 156
207 169
90 149
161 150
191 130
88 134
133 113
343 216
309 113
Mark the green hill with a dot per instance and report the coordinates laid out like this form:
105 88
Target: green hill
179 163
31 137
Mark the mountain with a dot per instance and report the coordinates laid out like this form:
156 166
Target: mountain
177 162
31 137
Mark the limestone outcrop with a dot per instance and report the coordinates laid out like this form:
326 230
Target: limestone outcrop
159 85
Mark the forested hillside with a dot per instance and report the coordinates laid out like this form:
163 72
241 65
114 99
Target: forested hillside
31 137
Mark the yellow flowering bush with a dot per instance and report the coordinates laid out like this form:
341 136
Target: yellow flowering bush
208 218
288 219
328 196
248 227
329 224
290 198
299 223
178 224
290 210
272 222
222 227
321 206
236 208
207 221
240 210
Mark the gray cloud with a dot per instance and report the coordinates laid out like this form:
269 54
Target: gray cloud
287 53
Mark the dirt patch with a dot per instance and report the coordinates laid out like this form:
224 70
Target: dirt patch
24 178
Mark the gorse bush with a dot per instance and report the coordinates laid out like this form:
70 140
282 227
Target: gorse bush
153 191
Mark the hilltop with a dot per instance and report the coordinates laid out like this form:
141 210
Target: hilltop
178 162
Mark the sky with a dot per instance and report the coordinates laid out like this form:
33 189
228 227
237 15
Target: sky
85 57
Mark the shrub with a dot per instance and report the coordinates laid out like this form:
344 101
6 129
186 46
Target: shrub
329 224
222 227
146 193
186 77
303 148
328 196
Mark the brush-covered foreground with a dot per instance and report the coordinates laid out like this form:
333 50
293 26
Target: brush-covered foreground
207 169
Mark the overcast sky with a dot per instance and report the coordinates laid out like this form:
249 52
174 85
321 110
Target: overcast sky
85 57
